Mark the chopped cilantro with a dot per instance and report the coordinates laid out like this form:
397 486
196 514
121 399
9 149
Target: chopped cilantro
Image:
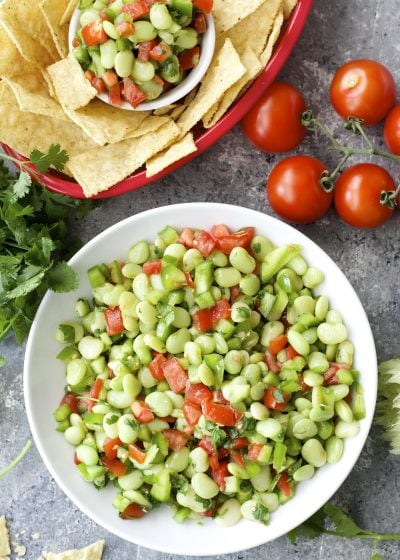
217 434
278 395
261 513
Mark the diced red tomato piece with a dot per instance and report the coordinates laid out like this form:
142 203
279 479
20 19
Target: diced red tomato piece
210 512
213 460
221 310
200 23
114 321
202 320
235 292
205 443
223 453
219 231
76 42
136 9
110 447
303 386
254 451
330 377
72 401
125 28
115 466
152 267
240 443
277 344
160 52
283 484
187 237
219 413
189 59
142 412
110 78
175 375
155 367
204 242
238 458
219 474
93 33
132 93
76 460
197 393
192 413
241 238
176 439
99 85
114 95
133 511
94 393
136 453
273 398
291 353
204 5
219 397
89 75
271 362
189 279
144 49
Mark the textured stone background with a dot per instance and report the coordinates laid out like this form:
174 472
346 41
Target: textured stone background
235 173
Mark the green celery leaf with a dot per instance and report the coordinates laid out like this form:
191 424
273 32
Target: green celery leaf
62 278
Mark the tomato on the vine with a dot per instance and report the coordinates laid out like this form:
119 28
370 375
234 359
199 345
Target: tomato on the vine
391 130
295 192
363 89
357 195
274 123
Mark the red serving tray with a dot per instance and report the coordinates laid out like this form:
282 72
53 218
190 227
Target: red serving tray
60 183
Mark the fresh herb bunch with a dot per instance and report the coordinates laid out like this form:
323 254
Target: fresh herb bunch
388 406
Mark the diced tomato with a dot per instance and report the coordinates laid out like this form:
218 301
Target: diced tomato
76 42
273 397
168 419
125 28
222 453
189 59
89 75
114 321
205 443
204 242
115 466
219 413
132 93
192 413
197 393
220 231
99 85
151 2
271 362
93 33
155 367
136 453
152 267
72 401
239 239
110 447
187 238
221 310
175 375
204 5
76 460
240 443
136 9
235 292
114 95
144 49
210 512
189 279
202 320
142 412
277 344
303 386
330 377
94 393
160 52
110 78
219 397
176 439
200 23
291 353
254 451
213 461
219 474
133 511
283 484
238 458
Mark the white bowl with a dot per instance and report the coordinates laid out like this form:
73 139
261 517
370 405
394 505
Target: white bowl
176 92
44 381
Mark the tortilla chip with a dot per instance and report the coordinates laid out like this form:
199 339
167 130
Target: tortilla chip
272 39
49 83
11 61
164 110
150 124
73 90
99 169
174 153
225 70
4 540
179 109
67 15
227 13
288 7
91 552
26 131
253 68
53 11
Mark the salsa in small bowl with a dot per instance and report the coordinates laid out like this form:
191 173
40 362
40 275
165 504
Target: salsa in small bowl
143 54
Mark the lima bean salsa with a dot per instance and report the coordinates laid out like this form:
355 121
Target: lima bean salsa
138 49
206 374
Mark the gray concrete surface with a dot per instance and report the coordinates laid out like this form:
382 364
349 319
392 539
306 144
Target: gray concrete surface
233 172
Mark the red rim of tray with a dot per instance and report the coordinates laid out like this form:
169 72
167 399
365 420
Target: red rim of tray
58 182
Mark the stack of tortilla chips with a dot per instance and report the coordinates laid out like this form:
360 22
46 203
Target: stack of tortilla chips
45 98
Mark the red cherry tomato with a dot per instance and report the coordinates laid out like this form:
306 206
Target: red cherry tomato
364 89
176 439
391 130
133 511
357 195
274 123
294 190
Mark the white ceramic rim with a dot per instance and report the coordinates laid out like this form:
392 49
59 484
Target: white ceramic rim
176 92
242 217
